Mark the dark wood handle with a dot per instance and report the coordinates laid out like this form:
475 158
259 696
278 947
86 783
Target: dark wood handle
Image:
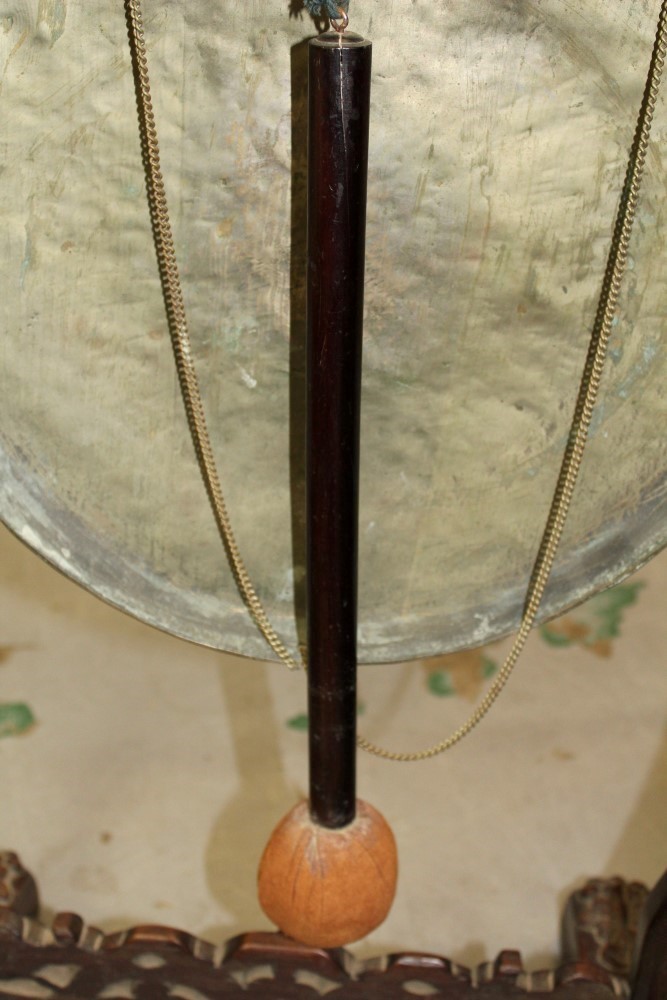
339 98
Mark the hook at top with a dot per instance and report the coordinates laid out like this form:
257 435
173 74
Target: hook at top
341 25
333 9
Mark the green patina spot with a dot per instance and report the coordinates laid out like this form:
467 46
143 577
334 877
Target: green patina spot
15 719
608 608
299 722
555 638
463 678
326 8
596 622
489 668
440 684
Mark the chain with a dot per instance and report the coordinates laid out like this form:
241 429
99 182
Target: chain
178 330
588 389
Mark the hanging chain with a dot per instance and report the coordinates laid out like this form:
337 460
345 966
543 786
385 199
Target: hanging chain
588 390
178 330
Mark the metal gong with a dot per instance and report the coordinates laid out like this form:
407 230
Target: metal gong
499 138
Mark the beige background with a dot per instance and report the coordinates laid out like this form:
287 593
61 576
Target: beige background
148 787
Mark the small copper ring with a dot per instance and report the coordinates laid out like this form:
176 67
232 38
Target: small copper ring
341 25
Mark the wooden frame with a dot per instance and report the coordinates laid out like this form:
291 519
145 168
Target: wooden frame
601 928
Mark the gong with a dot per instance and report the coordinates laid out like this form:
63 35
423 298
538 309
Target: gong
499 139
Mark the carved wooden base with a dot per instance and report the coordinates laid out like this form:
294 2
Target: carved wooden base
72 960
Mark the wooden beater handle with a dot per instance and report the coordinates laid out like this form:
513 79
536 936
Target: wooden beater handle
339 100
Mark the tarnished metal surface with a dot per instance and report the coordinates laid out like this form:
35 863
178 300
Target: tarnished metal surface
498 143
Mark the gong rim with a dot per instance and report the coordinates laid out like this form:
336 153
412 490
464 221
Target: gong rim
53 536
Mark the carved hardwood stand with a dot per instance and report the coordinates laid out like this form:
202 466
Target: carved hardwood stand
69 959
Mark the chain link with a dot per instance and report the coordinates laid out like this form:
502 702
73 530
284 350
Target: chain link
588 390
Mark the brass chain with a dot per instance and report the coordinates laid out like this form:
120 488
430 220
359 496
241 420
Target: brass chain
579 428
178 330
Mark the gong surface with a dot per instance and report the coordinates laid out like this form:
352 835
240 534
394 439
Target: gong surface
499 140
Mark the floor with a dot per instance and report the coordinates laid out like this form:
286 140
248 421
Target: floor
141 776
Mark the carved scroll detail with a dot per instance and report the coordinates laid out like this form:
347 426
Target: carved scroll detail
18 890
